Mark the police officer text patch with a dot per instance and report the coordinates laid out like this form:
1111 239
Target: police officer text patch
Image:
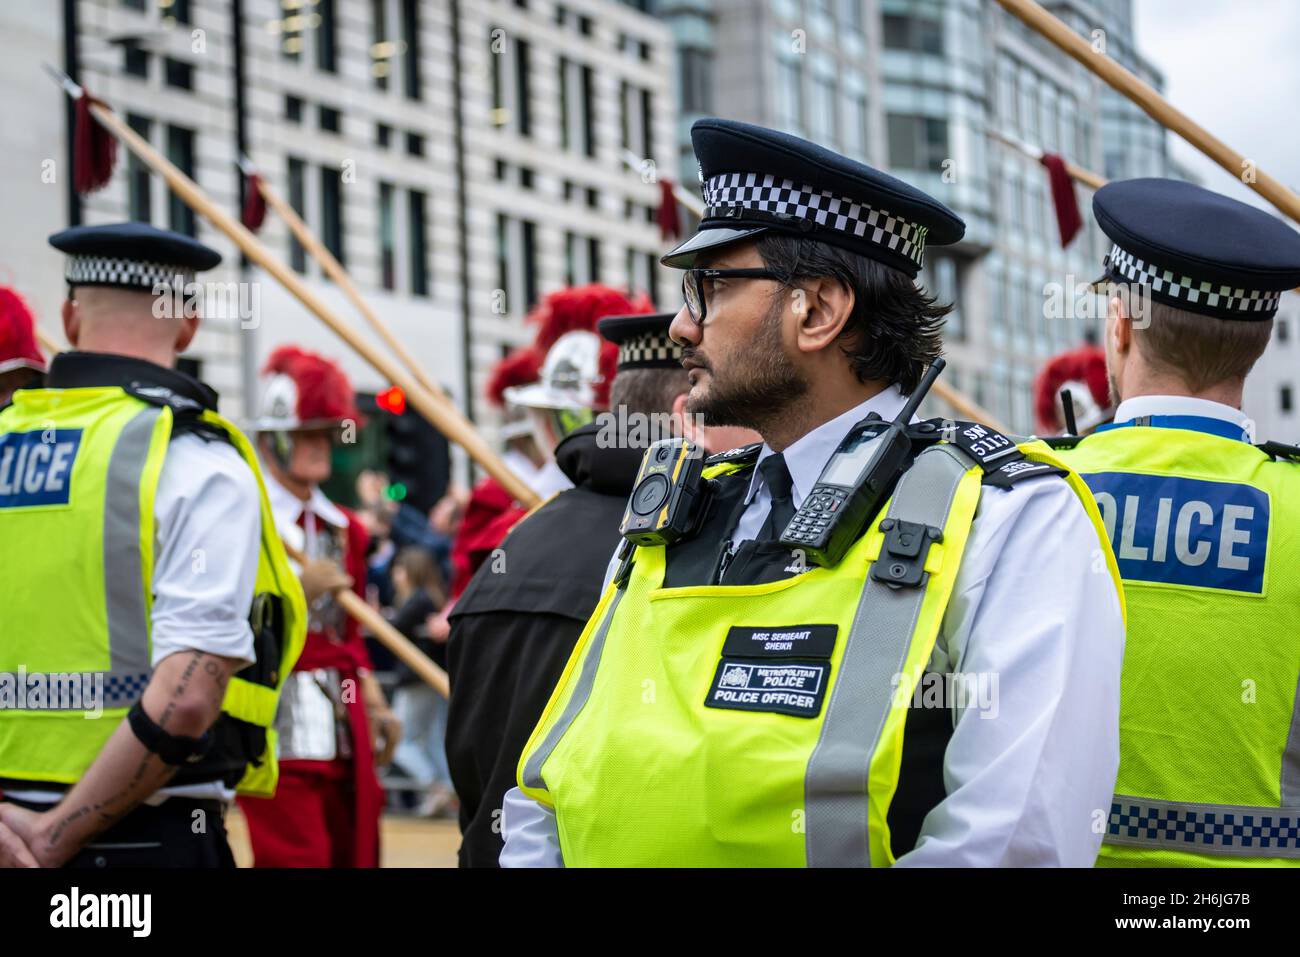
1182 531
787 687
36 467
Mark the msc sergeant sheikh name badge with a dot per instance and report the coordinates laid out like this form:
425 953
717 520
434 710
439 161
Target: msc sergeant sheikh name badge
783 669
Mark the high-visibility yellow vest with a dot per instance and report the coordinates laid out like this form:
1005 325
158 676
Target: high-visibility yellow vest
1207 533
753 725
78 472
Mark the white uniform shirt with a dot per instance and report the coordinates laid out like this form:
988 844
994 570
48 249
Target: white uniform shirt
1034 620
207 532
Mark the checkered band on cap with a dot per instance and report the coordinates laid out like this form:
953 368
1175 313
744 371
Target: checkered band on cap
108 271
1194 292
648 350
764 192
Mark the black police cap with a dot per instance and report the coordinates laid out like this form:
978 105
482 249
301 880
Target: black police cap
757 180
1195 249
131 256
642 340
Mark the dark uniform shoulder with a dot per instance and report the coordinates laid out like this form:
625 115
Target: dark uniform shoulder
742 455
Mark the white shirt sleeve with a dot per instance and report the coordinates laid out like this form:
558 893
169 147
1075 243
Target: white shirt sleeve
1035 616
529 829
207 536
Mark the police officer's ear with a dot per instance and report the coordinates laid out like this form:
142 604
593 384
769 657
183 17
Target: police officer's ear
189 327
1119 327
71 313
822 308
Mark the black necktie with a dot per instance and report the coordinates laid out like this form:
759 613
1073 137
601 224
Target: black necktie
781 487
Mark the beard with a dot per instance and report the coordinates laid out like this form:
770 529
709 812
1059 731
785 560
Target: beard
755 389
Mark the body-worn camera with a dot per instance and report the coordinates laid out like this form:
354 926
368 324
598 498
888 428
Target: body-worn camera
855 482
667 499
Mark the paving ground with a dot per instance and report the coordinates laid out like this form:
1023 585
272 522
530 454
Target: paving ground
406 841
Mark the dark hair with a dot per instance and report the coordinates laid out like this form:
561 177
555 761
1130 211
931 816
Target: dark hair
647 391
893 333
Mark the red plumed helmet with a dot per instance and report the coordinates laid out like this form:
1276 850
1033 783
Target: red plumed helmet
521 367
1083 372
17 334
578 309
302 390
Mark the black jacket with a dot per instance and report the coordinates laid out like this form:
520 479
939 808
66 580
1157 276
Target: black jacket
514 627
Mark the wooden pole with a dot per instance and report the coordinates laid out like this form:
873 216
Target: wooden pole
442 415
334 269
959 402
1153 104
1077 173
390 637
47 341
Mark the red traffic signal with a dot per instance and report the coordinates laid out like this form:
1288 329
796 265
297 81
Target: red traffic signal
392 400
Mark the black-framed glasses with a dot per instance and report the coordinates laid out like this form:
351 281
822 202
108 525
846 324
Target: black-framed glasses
694 285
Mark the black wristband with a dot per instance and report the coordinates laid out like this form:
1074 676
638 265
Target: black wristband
171 748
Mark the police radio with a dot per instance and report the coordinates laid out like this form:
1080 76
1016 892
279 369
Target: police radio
855 482
668 495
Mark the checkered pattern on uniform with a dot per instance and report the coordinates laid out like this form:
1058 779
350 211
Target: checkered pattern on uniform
652 348
1190 829
763 191
122 690
108 271
1192 291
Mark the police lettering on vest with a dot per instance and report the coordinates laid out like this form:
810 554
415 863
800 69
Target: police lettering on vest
36 467
1183 531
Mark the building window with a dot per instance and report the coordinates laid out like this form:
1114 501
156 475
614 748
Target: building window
178 74
411 56
416 212
414 144
293 109
331 206
577 107
381 48
1283 331
1285 400
527 178
180 150
138 181
326 37
179 10
298 200
383 135
329 119
789 92
821 120
917 142
291 35
387 238
517 263
530 263
135 61
918 34
696 81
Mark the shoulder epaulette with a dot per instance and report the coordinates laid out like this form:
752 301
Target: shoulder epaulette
746 453
1280 450
998 455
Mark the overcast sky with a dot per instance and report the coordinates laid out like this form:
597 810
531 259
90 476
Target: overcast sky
1234 67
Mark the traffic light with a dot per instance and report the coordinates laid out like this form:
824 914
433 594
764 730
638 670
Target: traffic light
419 459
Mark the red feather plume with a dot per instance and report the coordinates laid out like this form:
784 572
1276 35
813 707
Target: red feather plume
324 392
94 151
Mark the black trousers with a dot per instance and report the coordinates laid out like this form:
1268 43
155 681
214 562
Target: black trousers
180 832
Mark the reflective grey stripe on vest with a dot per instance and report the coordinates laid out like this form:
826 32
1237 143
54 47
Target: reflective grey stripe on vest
835 785
532 776
1291 757
1226 829
125 611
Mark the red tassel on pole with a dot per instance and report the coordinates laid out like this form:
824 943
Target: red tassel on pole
669 223
94 149
254 212
1068 218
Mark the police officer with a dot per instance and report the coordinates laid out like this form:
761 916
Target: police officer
158 601
1204 525
730 703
